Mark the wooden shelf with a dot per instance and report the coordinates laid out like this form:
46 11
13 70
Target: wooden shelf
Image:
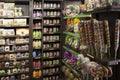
52 16
51 66
37 38
14 36
37 68
53 0
37 78
51 25
51 58
49 33
20 17
37 8
12 67
15 0
52 8
36 58
18 59
37 28
37 48
13 44
50 49
14 74
106 9
55 41
14 51
51 74
25 26
37 18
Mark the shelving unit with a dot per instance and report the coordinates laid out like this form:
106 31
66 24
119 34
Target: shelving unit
49 20
14 46
110 13
37 9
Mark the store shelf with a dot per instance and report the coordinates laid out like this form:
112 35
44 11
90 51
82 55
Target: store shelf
37 28
78 16
17 59
71 34
51 58
37 8
15 0
36 58
53 0
55 41
37 78
51 74
51 66
14 36
13 44
37 68
52 16
100 61
37 38
51 25
20 17
106 9
37 18
51 33
37 48
52 8
71 51
24 26
14 74
74 71
12 67
51 49
3 52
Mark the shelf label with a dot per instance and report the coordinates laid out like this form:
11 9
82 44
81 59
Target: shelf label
114 62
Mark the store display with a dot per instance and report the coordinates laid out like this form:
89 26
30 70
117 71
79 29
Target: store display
10 9
117 36
71 10
37 44
14 49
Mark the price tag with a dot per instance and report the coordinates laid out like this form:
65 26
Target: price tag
113 62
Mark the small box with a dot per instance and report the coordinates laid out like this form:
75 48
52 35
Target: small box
1 22
1 13
2 41
9 13
9 32
2 5
22 31
1 32
7 48
9 6
8 22
20 22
